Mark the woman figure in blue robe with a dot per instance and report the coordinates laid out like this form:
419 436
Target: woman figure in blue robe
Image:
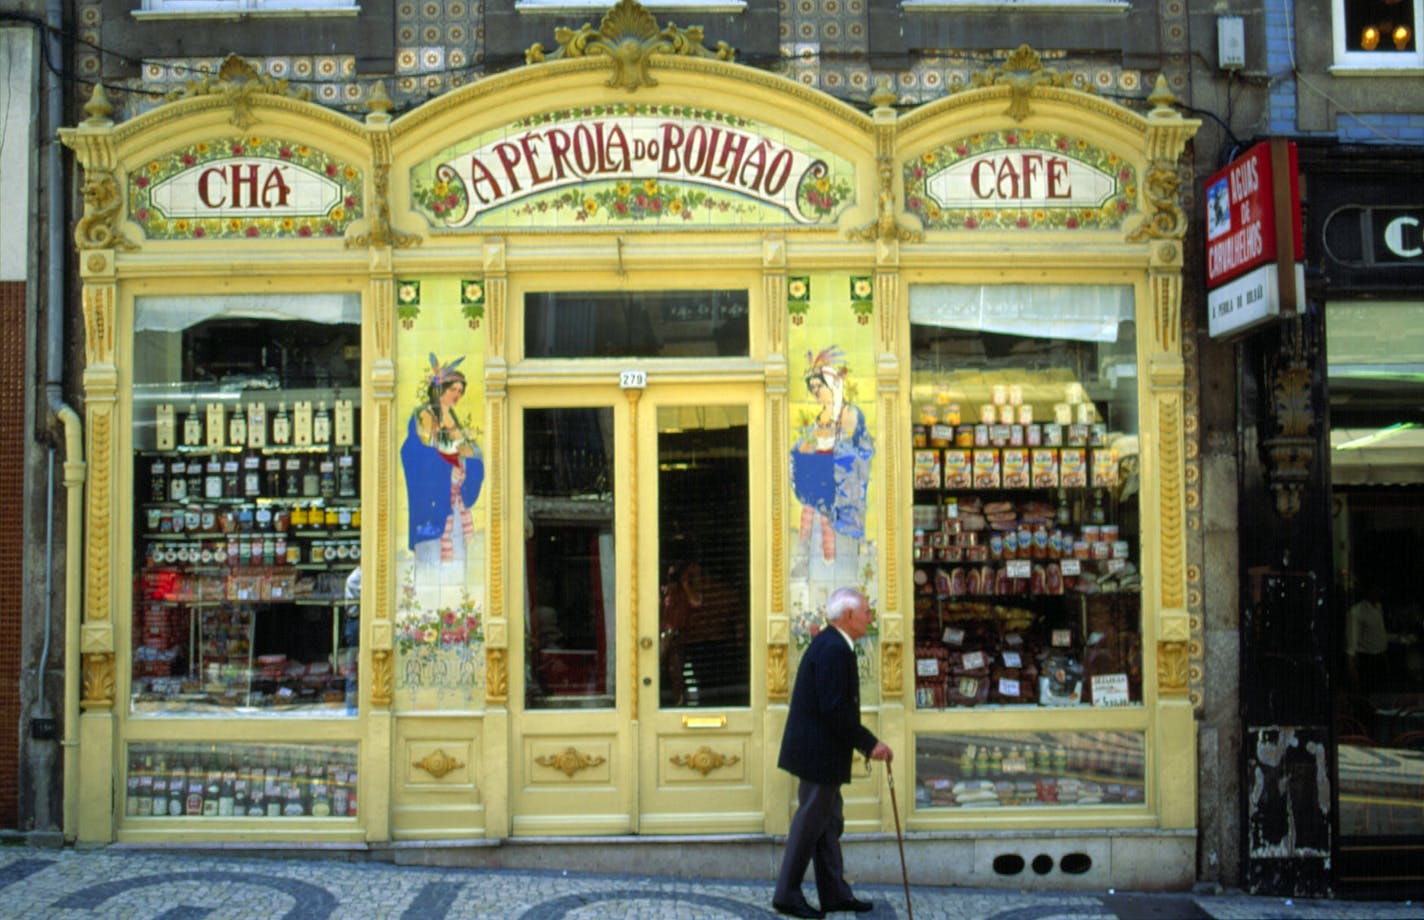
830 464
444 470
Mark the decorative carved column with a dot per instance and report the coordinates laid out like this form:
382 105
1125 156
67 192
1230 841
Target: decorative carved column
778 634
496 471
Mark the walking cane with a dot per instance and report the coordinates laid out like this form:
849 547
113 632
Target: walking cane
899 841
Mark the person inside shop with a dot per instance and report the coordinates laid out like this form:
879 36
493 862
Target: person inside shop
823 728
682 600
1367 640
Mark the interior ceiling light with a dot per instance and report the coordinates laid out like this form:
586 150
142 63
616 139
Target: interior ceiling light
1375 437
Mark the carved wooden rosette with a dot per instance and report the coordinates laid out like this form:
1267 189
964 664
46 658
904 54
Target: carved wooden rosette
570 761
438 763
704 760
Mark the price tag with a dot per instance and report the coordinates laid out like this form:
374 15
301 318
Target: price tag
1013 639
1116 565
973 661
1072 567
1062 638
953 636
1019 568
1008 687
633 380
1012 660
926 667
1110 690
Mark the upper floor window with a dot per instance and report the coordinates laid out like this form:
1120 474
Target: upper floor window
245 7
1377 34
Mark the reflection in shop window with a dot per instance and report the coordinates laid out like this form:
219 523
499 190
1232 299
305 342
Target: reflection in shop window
704 524
570 610
247 509
1026 477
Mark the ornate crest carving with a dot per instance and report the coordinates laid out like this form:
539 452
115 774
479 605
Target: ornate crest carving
704 760
438 763
570 761
630 37
1021 72
238 83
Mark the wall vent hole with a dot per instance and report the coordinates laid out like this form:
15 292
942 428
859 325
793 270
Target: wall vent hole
1076 863
1043 864
1008 864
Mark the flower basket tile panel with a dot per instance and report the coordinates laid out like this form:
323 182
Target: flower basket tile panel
1020 180
631 164
250 187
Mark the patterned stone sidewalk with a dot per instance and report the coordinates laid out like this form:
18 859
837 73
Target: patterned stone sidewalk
37 884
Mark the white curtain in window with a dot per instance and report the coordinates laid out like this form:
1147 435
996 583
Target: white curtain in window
1084 312
174 314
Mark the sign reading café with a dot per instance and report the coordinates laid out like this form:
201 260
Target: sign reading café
659 165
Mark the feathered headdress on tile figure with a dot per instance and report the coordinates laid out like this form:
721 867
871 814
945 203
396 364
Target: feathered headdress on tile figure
828 360
441 374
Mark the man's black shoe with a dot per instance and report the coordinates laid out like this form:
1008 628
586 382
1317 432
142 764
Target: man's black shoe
799 909
855 904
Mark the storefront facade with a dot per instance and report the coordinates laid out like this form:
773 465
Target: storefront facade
478 474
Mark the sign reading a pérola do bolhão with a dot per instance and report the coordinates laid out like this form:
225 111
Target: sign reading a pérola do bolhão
614 164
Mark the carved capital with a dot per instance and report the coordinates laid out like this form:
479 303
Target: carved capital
496 676
98 682
892 668
1173 669
382 678
777 673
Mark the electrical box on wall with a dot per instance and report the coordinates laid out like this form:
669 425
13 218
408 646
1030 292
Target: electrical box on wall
1230 42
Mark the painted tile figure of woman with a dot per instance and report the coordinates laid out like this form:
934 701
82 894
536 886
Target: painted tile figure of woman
444 470
830 464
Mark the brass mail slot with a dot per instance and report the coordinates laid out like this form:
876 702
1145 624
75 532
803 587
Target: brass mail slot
704 721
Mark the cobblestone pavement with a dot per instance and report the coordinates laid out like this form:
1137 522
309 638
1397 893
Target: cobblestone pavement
38 884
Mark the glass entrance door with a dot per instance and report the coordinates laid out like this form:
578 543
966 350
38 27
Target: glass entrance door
637 574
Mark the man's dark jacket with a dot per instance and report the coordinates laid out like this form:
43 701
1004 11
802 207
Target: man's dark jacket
823 724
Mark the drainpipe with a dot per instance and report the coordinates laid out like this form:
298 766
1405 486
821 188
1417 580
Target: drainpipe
56 251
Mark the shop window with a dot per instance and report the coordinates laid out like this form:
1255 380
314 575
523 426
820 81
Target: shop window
644 324
1026 475
223 8
1038 769
1375 352
181 780
247 516
1377 34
